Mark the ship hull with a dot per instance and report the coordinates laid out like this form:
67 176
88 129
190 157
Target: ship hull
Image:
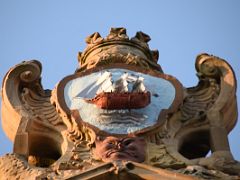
116 100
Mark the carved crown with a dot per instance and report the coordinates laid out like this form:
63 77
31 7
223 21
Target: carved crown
117 47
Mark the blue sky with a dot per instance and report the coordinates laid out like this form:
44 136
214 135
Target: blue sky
54 31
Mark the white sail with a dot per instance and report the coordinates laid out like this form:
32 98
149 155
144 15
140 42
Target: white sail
107 86
104 76
106 83
121 85
138 86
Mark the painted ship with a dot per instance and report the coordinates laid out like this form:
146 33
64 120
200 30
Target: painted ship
127 92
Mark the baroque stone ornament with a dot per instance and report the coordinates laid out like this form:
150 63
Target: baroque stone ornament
119 116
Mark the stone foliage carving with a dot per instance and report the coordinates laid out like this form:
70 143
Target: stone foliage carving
54 139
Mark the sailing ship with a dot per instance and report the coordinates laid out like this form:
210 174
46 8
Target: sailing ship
127 92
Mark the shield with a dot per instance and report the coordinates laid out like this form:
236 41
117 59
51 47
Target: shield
120 99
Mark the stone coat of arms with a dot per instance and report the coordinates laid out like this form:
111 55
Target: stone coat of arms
119 116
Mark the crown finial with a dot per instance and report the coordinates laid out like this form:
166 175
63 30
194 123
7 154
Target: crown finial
94 38
118 33
142 37
118 48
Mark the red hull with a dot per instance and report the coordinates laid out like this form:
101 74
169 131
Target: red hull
116 100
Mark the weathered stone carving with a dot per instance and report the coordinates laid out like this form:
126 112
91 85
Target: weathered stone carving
94 126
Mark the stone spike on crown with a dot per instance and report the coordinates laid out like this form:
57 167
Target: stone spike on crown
118 48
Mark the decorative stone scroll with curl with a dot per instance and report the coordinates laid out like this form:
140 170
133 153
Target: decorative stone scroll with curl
119 116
